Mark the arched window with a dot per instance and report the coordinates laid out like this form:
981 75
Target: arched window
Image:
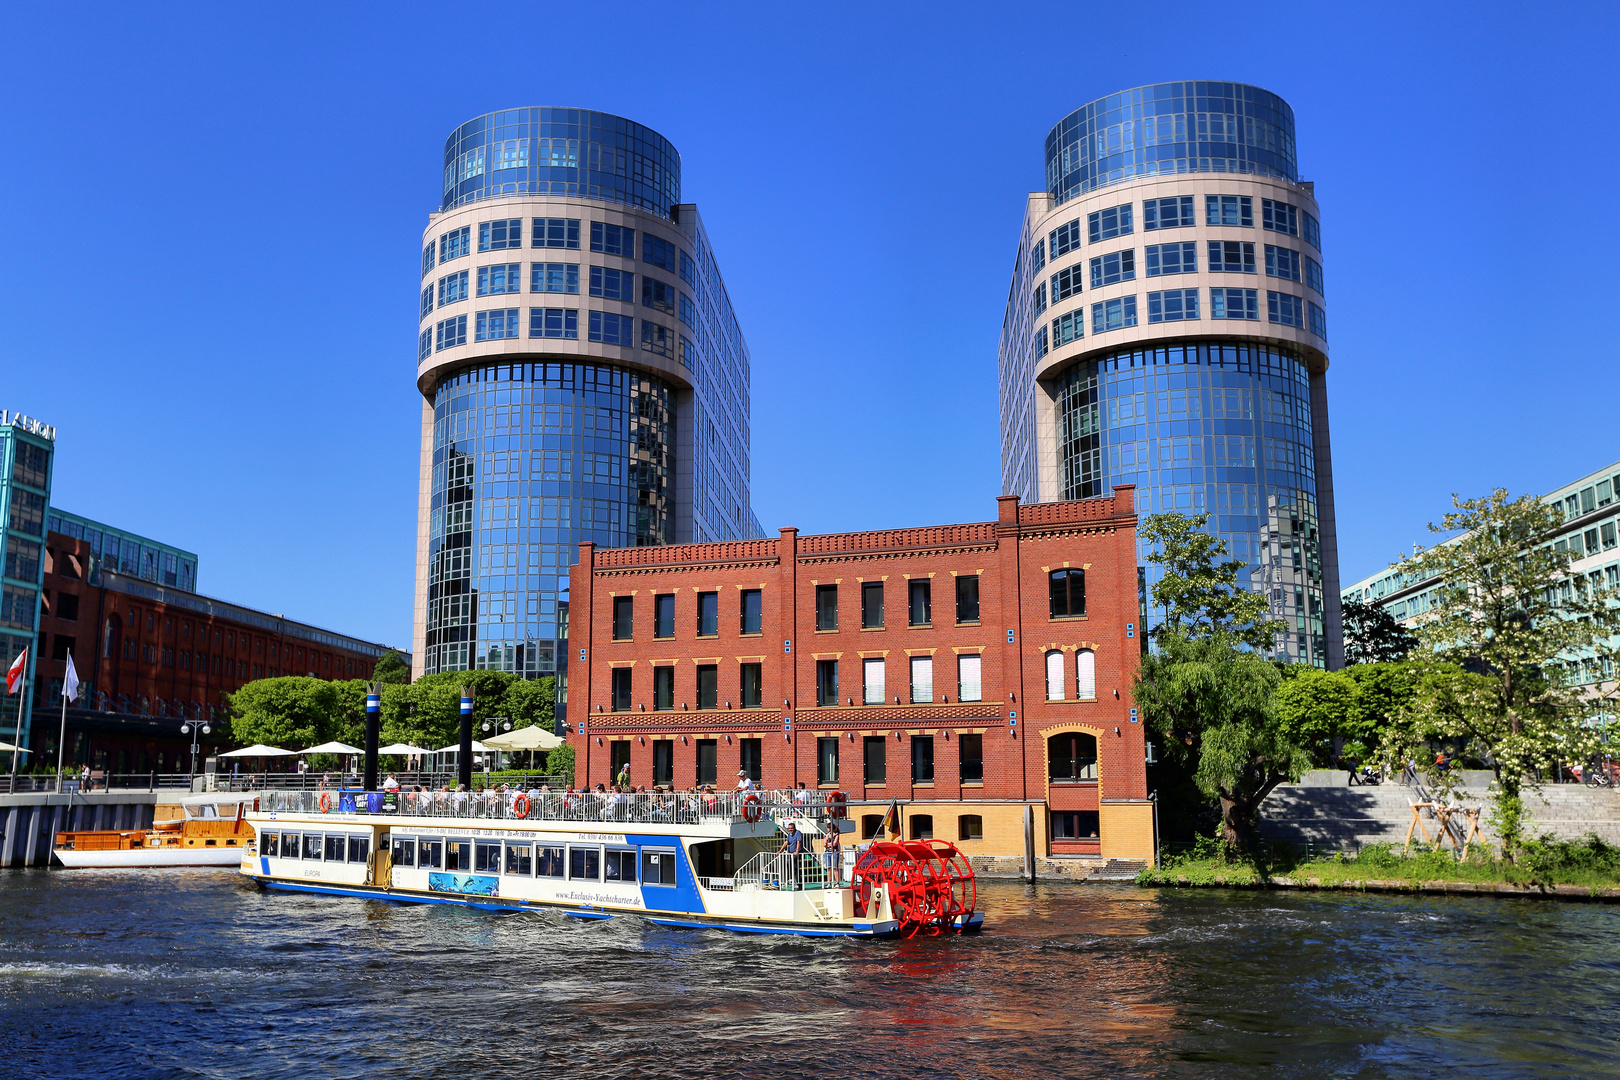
1072 756
1054 676
1085 675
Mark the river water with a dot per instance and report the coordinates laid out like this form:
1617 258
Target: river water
193 973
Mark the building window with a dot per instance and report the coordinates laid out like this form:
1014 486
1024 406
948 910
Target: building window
688 311
826 607
922 762
1172 213
872 605
624 608
1318 319
919 602
751 758
1054 675
555 233
1074 824
750 610
969 678
1279 217
657 338
661 253
1067 589
427 302
1072 756
1229 210
663 688
1313 275
613 240
872 691
427 257
1231 257
1040 343
1085 675
1113 314
664 616
969 827
1608 531
1282 262
751 688
1286 309
876 769
1172 259
496 325
553 323
452 287
1040 298
922 680
613 284
1234 304
708 686
826 682
708 760
500 235
688 269
967 598
664 767
708 614
1037 258
612 329
1109 223
1313 231
656 294
621 689
827 760
451 332
1114 267
1064 239
1172 305
1066 283
1067 328
455 243
554 277
971 749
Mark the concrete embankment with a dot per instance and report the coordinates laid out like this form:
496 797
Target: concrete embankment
30 822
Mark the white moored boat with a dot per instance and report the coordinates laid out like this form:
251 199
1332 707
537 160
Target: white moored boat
202 830
676 859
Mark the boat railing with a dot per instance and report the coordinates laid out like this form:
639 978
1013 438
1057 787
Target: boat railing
606 807
787 871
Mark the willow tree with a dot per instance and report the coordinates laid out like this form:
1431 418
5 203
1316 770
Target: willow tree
1509 627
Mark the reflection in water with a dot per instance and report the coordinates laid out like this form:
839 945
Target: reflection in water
185 973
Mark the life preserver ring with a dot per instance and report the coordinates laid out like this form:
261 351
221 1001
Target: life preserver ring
835 804
520 806
753 809
326 802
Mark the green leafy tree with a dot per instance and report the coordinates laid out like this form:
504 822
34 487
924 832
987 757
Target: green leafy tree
1506 626
1372 636
391 668
291 712
561 761
1198 588
532 701
1321 711
1385 693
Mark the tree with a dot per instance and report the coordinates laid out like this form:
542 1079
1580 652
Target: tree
1372 636
561 762
1321 711
1508 627
1385 693
291 712
1198 588
532 701
391 668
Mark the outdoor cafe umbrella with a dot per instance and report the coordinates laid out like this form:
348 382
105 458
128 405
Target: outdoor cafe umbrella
533 737
402 748
5 746
260 750
333 748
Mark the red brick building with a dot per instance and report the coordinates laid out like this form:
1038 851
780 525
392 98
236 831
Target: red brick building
968 671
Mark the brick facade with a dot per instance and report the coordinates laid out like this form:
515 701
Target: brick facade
1013 558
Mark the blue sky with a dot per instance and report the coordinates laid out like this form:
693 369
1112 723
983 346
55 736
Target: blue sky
215 213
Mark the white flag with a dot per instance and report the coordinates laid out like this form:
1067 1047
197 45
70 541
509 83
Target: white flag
70 681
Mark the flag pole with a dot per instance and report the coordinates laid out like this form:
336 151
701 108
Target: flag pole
62 735
16 740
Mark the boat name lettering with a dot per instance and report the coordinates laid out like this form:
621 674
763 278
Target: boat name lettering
602 838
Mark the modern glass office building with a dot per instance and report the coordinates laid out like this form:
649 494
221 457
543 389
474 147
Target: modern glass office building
583 378
1166 327
27 460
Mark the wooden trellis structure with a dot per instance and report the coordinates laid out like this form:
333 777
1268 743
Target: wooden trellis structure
1444 813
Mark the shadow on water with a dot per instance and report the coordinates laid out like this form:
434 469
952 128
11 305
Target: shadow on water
195 974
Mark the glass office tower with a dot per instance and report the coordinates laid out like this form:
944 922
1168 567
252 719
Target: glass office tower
26 463
583 378
1167 327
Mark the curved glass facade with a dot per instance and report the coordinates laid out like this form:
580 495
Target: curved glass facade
1170 128
529 459
573 152
1216 426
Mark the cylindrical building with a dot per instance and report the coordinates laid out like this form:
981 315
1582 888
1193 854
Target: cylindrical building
1167 328
583 378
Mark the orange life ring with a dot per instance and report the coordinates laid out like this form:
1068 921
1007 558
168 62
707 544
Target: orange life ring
753 809
326 802
520 806
835 804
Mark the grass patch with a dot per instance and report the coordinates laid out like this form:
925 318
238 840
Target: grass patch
1590 862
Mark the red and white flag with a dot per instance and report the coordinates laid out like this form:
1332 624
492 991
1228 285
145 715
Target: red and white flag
15 674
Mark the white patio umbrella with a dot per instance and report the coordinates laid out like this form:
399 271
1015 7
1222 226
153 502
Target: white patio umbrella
4 746
477 748
260 750
333 748
402 748
533 737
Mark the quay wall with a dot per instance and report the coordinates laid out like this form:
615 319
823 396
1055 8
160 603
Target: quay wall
30 822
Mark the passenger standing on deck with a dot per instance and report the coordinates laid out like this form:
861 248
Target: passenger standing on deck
832 854
743 782
624 776
796 846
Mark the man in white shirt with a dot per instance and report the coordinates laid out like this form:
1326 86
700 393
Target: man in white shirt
743 781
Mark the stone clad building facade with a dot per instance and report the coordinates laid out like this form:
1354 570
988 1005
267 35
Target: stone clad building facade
966 671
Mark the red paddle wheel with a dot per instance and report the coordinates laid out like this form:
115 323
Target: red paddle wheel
930 884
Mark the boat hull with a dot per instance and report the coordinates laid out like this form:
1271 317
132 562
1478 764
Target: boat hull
149 857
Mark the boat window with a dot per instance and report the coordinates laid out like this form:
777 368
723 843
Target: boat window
289 845
334 848
457 853
359 848
312 845
430 853
487 857
585 863
620 865
404 851
658 867
520 859
548 862
269 844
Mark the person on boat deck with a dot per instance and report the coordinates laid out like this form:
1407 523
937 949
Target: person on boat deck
801 797
390 784
832 853
796 844
743 782
624 776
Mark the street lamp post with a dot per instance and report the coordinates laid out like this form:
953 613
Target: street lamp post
196 729
496 724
